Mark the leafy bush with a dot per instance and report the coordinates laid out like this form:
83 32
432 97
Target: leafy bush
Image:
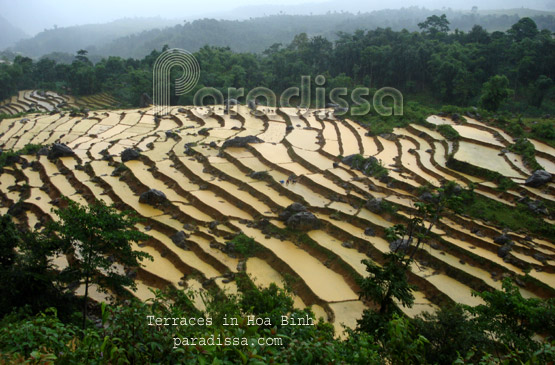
10 157
526 149
448 132
544 130
243 245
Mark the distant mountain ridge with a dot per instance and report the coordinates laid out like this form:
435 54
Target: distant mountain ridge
138 37
89 36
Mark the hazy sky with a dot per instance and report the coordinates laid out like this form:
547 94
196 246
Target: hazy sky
35 15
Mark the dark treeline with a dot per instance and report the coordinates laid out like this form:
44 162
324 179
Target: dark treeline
449 67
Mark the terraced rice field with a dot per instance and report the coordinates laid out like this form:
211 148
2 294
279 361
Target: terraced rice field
213 196
48 101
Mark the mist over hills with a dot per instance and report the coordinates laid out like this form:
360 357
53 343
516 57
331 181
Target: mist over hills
9 34
89 36
136 37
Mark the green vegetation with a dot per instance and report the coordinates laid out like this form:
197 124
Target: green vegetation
98 236
495 91
527 127
369 166
519 218
413 112
461 68
126 38
243 245
8 158
526 149
40 322
127 337
448 132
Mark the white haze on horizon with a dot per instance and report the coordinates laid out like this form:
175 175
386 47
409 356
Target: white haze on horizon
34 16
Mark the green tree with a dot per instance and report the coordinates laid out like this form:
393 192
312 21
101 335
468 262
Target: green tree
27 276
512 320
494 92
82 57
382 287
450 332
389 282
435 25
539 89
524 28
99 239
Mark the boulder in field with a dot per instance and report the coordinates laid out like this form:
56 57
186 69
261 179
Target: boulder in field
59 150
502 240
153 197
538 178
179 239
172 134
241 141
537 207
17 209
400 245
292 209
428 197
504 250
352 161
43 151
347 244
259 175
303 221
369 232
130 154
374 205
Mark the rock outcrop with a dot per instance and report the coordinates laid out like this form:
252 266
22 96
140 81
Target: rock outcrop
59 150
129 154
241 141
153 197
303 221
538 178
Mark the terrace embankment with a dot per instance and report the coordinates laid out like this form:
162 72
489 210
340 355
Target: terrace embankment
214 193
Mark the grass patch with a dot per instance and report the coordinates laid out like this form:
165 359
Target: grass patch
14 116
8 158
413 112
243 245
369 166
526 149
448 132
516 219
526 127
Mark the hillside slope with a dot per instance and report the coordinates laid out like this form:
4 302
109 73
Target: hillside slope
213 192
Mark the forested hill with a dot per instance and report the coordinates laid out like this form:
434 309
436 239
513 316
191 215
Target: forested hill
256 34
89 36
435 63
